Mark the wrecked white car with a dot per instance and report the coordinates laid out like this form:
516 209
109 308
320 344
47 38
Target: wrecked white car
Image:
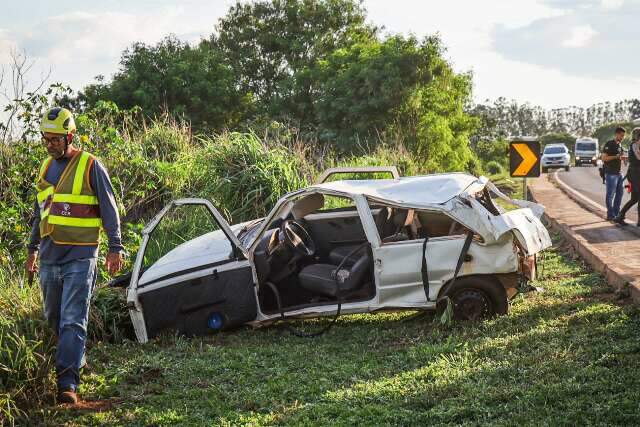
349 246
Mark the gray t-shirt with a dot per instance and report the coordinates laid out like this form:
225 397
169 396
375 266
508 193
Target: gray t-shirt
52 253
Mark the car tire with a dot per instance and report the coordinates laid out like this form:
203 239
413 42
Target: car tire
477 297
567 168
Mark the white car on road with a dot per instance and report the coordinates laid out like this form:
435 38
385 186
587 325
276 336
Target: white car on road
555 156
350 246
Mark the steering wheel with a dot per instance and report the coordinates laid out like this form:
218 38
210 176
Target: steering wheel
297 238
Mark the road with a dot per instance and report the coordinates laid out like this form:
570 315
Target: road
587 182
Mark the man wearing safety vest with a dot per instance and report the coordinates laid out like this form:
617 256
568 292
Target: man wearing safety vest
74 201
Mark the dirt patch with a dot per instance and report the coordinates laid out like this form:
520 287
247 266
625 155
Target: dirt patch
98 405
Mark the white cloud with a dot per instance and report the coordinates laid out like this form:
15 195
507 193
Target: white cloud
580 36
496 76
97 36
587 41
79 45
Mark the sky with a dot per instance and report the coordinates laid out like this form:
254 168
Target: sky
553 53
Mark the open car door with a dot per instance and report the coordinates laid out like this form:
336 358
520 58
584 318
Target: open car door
191 275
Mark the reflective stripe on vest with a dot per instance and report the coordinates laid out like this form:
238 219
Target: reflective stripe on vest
69 212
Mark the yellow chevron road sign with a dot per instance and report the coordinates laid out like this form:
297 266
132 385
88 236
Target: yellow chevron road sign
524 159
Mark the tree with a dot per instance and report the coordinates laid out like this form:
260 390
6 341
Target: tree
635 108
273 45
444 128
503 118
361 90
174 77
313 64
607 132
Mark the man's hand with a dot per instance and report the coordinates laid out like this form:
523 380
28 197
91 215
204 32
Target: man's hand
114 262
31 265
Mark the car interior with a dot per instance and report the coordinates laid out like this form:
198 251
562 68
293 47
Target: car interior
317 253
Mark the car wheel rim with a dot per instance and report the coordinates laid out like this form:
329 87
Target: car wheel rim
472 304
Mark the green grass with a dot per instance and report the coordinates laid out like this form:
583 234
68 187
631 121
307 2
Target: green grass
510 186
566 356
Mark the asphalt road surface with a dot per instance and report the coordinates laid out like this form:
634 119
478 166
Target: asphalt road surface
587 182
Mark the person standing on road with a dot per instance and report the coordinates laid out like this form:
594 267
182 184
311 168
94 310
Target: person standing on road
612 154
74 200
633 176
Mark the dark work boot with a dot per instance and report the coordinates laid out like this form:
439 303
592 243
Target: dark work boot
620 220
67 395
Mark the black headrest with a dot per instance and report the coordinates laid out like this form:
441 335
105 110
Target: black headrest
400 217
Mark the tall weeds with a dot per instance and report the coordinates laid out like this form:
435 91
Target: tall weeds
26 358
242 174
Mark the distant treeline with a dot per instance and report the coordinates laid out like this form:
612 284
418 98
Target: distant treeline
504 118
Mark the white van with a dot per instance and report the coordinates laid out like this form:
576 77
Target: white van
586 151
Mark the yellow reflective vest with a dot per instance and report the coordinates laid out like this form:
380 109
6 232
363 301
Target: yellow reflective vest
69 212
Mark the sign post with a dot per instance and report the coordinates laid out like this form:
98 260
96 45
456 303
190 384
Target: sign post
524 160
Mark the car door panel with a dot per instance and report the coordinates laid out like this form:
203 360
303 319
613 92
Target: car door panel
185 304
178 291
398 267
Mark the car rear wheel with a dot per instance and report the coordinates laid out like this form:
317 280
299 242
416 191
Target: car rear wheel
477 298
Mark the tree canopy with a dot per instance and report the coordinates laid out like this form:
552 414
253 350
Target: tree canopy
192 82
317 66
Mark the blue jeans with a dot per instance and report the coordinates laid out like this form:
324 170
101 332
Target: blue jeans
66 293
614 194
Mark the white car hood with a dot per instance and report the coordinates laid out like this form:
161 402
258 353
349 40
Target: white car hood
203 250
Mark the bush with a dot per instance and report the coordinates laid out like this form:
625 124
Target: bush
242 174
495 150
607 132
166 140
494 168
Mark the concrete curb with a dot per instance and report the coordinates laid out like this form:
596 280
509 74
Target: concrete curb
618 279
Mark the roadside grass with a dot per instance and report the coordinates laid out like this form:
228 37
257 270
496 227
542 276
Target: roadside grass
568 356
510 186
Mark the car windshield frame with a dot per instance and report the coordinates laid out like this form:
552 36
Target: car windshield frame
555 150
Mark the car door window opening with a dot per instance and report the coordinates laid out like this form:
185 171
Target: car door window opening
397 225
299 277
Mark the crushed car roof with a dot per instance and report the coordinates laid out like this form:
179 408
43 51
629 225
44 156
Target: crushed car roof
413 190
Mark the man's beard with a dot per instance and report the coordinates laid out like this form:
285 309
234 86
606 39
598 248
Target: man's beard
57 154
